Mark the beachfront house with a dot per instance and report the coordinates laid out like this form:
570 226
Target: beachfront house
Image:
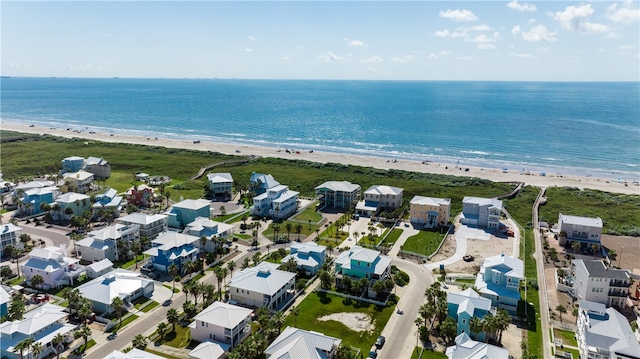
222 323
300 343
140 195
79 182
481 212
79 203
499 280
604 333
429 212
104 242
220 185
465 305
277 202
41 324
379 198
150 225
593 281
10 236
262 286
53 265
126 285
98 166
209 228
338 194
309 256
359 262
95 270
259 183
72 164
107 201
466 348
584 230
187 211
173 248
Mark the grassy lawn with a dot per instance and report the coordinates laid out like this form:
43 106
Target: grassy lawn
83 348
149 307
121 181
125 321
178 339
425 242
464 280
566 336
393 237
274 257
331 232
17 280
164 355
309 214
306 230
176 290
243 236
428 354
315 306
128 264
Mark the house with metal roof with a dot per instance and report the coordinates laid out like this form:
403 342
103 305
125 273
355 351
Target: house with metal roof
187 211
466 348
481 212
126 285
259 183
262 286
604 333
53 265
140 195
134 353
109 200
42 324
499 280
309 256
5 298
221 184
429 212
10 236
465 305
173 248
300 343
379 198
209 350
338 194
78 202
94 270
103 243
150 225
584 230
72 164
209 228
278 202
31 199
359 262
98 166
595 282
222 323
79 182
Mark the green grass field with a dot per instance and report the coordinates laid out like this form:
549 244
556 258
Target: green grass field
393 237
305 231
566 336
309 214
425 242
178 339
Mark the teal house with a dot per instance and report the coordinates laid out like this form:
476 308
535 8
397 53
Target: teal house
465 305
185 212
78 202
309 256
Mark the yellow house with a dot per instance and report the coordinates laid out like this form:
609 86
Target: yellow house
429 212
79 182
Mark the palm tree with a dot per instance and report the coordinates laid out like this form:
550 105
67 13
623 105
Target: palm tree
162 327
295 311
196 290
136 248
173 317
426 311
36 349
490 325
502 323
246 263
84 333
612 255
173 272
594 248
219 277
118 305
84 309
256 258
288 226
276 229
575 245
23 345
561 310
37 280
476 326
203 242
186 289
140 342
231 265
298 230
56 342
16 309
208 293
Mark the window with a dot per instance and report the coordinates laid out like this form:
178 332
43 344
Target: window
464 321
203 324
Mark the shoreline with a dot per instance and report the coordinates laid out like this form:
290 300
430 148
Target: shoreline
493 174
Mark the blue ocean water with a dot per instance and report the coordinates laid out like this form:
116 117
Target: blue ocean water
556 127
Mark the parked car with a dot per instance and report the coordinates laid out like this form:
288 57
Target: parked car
380 342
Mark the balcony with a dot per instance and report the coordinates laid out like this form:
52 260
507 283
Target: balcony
619 283
618 293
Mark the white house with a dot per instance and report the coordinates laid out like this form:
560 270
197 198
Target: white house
378 198
222 323
121 283
499 280
585 230
53 265
42 324
481 212
220 184
465 348
299 343
594 282
209 228
134 353
277 202
262 286
103 243
10 235
150 225
209 350
604 333
94 270
339 194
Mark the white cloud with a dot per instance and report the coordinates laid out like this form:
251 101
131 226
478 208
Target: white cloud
373 59
515 5
356 43
482 27
285 58
522 55
458 15
446 33
246 49
577 18
464 58
543 49
21 65
444 53
535 34
516 30
330 56
626 47
485 46
623 15
433 56
442 33
403 59
252 38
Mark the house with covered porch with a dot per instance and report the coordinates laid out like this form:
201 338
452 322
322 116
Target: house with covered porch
173 248
262 286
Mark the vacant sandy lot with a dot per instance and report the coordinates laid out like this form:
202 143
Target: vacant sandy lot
628 250
359 322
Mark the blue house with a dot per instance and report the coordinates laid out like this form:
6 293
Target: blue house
4 301
79 203
499 280
260 183
185 212
72 164
309 256
465 305
109 200
33 198
173 248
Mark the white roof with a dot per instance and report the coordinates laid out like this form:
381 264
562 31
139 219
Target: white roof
483 201
364 255
192 204
9 228
298 343
339 186
168 240
4 296
284 196
268 180
40 190
100 265
466 348
141 218
278 188
384 190
71 197
265 278
610 331
208 350
35 184
117 283
583 221
92 242
310 261
34 320
208 227
514 264
80 175
308 247
95 161
223 315
134 353
468 301
430 201
114 231
73 158
220 177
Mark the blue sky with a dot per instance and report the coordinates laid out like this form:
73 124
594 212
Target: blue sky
418 40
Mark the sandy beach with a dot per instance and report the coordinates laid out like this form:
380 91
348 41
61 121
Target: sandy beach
493 174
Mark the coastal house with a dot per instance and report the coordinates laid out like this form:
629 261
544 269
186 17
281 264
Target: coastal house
10 236
277 202
259 183
134 353
300 343
465 305
481 212
150 226
5 186
141 176
220 185
466 348
40 183
126 285
72 164
53 265
173 248
95 270
262 286
309 256
187 211
379 198
31 200
103 243
209 350
79 182
338 194
42 325
222 323
499 280
203 226
429 212
79 203
604 333
140 195
107 201
159 180
593 281
584 230
5 298
358 262
98 166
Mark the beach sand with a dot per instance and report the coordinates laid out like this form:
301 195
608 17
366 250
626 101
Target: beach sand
493 174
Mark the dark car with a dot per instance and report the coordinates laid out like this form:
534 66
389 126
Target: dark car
380 341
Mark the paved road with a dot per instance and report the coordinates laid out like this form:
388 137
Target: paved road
542 293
